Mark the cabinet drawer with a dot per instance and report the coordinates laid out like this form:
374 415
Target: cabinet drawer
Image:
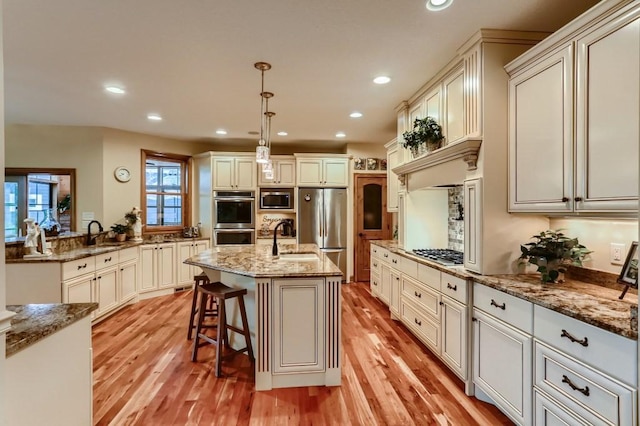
548 412
582 389
424 298
427 330
107 259
429 276
512 310
454 287
375 250
609 352
78 267
375 265
385 255
127 254
375 284
409 267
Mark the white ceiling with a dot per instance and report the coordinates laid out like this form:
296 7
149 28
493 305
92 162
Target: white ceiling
192 61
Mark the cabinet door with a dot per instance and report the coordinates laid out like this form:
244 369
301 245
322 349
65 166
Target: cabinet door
245 173
223 169
78 290
385 283
453 89
309 172
285 172
128 281
608 116
185 272
148 270
473 225
541 136
454 335
392 179
166 263
401 127
375 283
336 172
401 219
106 290
433 105
394 296
415 111
502 364
298 319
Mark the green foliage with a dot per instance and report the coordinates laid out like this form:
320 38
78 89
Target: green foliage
64 204
425 130
551 252
119 228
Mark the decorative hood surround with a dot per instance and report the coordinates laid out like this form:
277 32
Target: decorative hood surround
465 150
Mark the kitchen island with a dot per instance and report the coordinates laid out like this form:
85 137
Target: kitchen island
293 307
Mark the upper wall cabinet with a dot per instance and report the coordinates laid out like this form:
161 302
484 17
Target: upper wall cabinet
393 160
323 171
234 173
573 143
284 172
453 90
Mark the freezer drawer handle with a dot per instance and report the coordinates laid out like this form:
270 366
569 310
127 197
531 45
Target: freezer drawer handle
494 303
584 342
584 391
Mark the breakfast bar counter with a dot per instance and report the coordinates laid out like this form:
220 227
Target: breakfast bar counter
293 307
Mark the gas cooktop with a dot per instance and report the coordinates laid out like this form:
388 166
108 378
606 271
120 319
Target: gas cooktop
441 256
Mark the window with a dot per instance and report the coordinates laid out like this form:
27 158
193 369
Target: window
165 203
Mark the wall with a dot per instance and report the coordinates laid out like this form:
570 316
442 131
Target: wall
597 235
455 219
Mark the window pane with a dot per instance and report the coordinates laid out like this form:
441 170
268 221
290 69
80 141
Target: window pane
39 200
372 217
11 210
152 210
170 176
165 191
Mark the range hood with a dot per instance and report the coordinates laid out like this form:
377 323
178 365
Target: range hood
446 166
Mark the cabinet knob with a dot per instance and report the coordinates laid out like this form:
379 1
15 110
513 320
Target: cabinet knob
441 303
577 199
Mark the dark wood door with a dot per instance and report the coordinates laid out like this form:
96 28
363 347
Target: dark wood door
372 222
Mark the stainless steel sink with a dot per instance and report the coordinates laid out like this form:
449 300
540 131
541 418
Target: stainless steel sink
298 257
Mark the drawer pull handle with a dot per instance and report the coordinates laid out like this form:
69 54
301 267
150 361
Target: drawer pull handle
82 267
418 295
494 303
417 322
441 303
584 391
395 261
386 255
454 287
107 260
375 265
584 342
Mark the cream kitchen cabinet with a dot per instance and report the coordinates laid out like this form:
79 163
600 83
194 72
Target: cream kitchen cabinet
322 171
393 159
157 266
502 351
472 190
234 173
185 250
453 106
284 172
589 126
128 274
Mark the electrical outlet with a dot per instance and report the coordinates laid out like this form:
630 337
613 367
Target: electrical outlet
617 253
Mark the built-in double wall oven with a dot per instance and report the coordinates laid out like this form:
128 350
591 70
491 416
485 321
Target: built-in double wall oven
234 217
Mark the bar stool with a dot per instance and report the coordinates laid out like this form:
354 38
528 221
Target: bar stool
221 293
211 311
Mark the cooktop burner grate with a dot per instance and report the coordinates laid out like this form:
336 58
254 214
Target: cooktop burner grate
442 256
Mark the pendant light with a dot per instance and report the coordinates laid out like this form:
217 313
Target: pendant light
267 167
262 150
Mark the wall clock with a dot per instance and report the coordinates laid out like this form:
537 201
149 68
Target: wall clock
122 174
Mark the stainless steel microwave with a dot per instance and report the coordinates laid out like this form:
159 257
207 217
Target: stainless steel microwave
276 198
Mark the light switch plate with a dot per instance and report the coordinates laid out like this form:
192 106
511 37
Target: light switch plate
617 253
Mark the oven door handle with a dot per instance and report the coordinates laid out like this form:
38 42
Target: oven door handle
233 230
234 199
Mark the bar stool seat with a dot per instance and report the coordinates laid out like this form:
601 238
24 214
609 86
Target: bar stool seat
221 293
210 311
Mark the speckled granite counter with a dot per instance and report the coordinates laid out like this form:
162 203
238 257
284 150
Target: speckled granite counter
35 322
255 260
587 302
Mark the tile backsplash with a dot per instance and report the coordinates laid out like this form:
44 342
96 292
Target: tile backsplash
455 220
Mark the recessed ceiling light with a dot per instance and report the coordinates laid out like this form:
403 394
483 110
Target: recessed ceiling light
221 132
383 79
355 114
115 89
437 5
283 134
154 117
340 135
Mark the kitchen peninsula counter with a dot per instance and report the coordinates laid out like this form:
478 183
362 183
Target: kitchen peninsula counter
293 308
585 301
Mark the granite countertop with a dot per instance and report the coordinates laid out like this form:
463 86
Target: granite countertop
35 322
106 247
586 301
255 260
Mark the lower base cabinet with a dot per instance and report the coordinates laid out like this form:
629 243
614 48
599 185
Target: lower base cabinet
549 413
454 335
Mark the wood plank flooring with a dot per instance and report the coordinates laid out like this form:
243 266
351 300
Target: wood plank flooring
143 375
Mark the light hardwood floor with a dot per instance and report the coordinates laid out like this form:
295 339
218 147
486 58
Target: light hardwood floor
143 375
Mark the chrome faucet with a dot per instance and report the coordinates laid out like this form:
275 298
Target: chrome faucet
284 223
91 241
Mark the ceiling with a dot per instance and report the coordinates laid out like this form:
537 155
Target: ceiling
192 61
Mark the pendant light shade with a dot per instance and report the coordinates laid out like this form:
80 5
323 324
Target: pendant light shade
262 150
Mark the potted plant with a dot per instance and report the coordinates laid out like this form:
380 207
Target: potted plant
552 251
121 231
426 131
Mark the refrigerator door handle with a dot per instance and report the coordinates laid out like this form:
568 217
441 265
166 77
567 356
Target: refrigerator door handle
324 250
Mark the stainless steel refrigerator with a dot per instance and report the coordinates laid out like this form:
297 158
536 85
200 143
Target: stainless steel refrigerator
322 219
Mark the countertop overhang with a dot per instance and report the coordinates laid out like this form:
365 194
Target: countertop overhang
256 260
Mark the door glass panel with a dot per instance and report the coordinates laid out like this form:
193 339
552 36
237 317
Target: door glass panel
372 207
